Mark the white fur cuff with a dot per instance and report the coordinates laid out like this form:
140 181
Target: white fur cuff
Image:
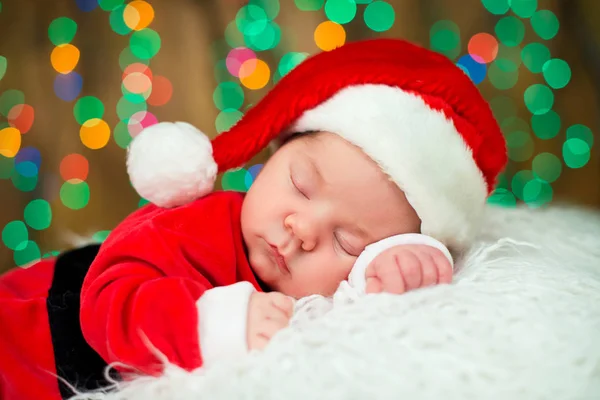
222 319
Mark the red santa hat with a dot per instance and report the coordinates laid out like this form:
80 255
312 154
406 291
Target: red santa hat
415 113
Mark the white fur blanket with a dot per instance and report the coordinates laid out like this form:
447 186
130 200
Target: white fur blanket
521 321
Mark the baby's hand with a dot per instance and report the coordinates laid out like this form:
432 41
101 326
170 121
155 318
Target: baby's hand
406 267
268 313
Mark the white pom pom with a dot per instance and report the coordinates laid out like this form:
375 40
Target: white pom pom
170 164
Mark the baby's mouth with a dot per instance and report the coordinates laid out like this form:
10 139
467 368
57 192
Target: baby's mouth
279 259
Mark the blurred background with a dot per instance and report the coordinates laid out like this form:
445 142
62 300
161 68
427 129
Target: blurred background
79 78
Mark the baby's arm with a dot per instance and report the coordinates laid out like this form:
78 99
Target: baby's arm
155 289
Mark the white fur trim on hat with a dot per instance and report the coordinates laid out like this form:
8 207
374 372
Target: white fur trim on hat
170 164
419 148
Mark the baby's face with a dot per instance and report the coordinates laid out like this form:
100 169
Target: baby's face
313 208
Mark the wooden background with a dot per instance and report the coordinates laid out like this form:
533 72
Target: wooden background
188 28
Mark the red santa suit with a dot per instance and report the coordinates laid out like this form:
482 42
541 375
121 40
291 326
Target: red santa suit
168 282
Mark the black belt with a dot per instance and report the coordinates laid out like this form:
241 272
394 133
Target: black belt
76 362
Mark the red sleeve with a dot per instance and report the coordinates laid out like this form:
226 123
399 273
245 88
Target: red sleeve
142 288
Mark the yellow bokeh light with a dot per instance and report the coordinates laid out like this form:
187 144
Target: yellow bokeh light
64 58
94 133
254 74
329 35
138 15
10 142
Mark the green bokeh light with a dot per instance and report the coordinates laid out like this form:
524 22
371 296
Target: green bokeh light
62 30
233 36
228 95
75 195
557 73
537 193
576 153
23 183
267 39
290 61
87 108
3 66
510 31
523 8
100 236
117 23
121 135
444 37
547 125
251 20
547 166
9 99
340 11
519 181
271 7
15 234
534 56
379 16
7 165
29 253
309 5
509 53
227 119
38 214
221 72
503 74
126 58
234 180
503 198
496 7
109 5
145 43
539 99
581 132
125 108
545 24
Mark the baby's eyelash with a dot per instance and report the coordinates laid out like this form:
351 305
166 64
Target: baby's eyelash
297 187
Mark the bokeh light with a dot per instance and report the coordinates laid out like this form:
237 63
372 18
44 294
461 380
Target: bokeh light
236 58
523 8
254 74
496 7
444 37
68 87
475 70
15 234
87 5
64 58
557 73
21 116
74 167
162 90
547 125
545 24
10 142
62 30
109 5
3 66
547 166
38 214
75 194
581 132
138 15
539 99
340 11
139 121
329 35
534 56
309 5
86 108
145 43
9 99
228 95
510 31
379 16
576 153
227 119
94 133
483 47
